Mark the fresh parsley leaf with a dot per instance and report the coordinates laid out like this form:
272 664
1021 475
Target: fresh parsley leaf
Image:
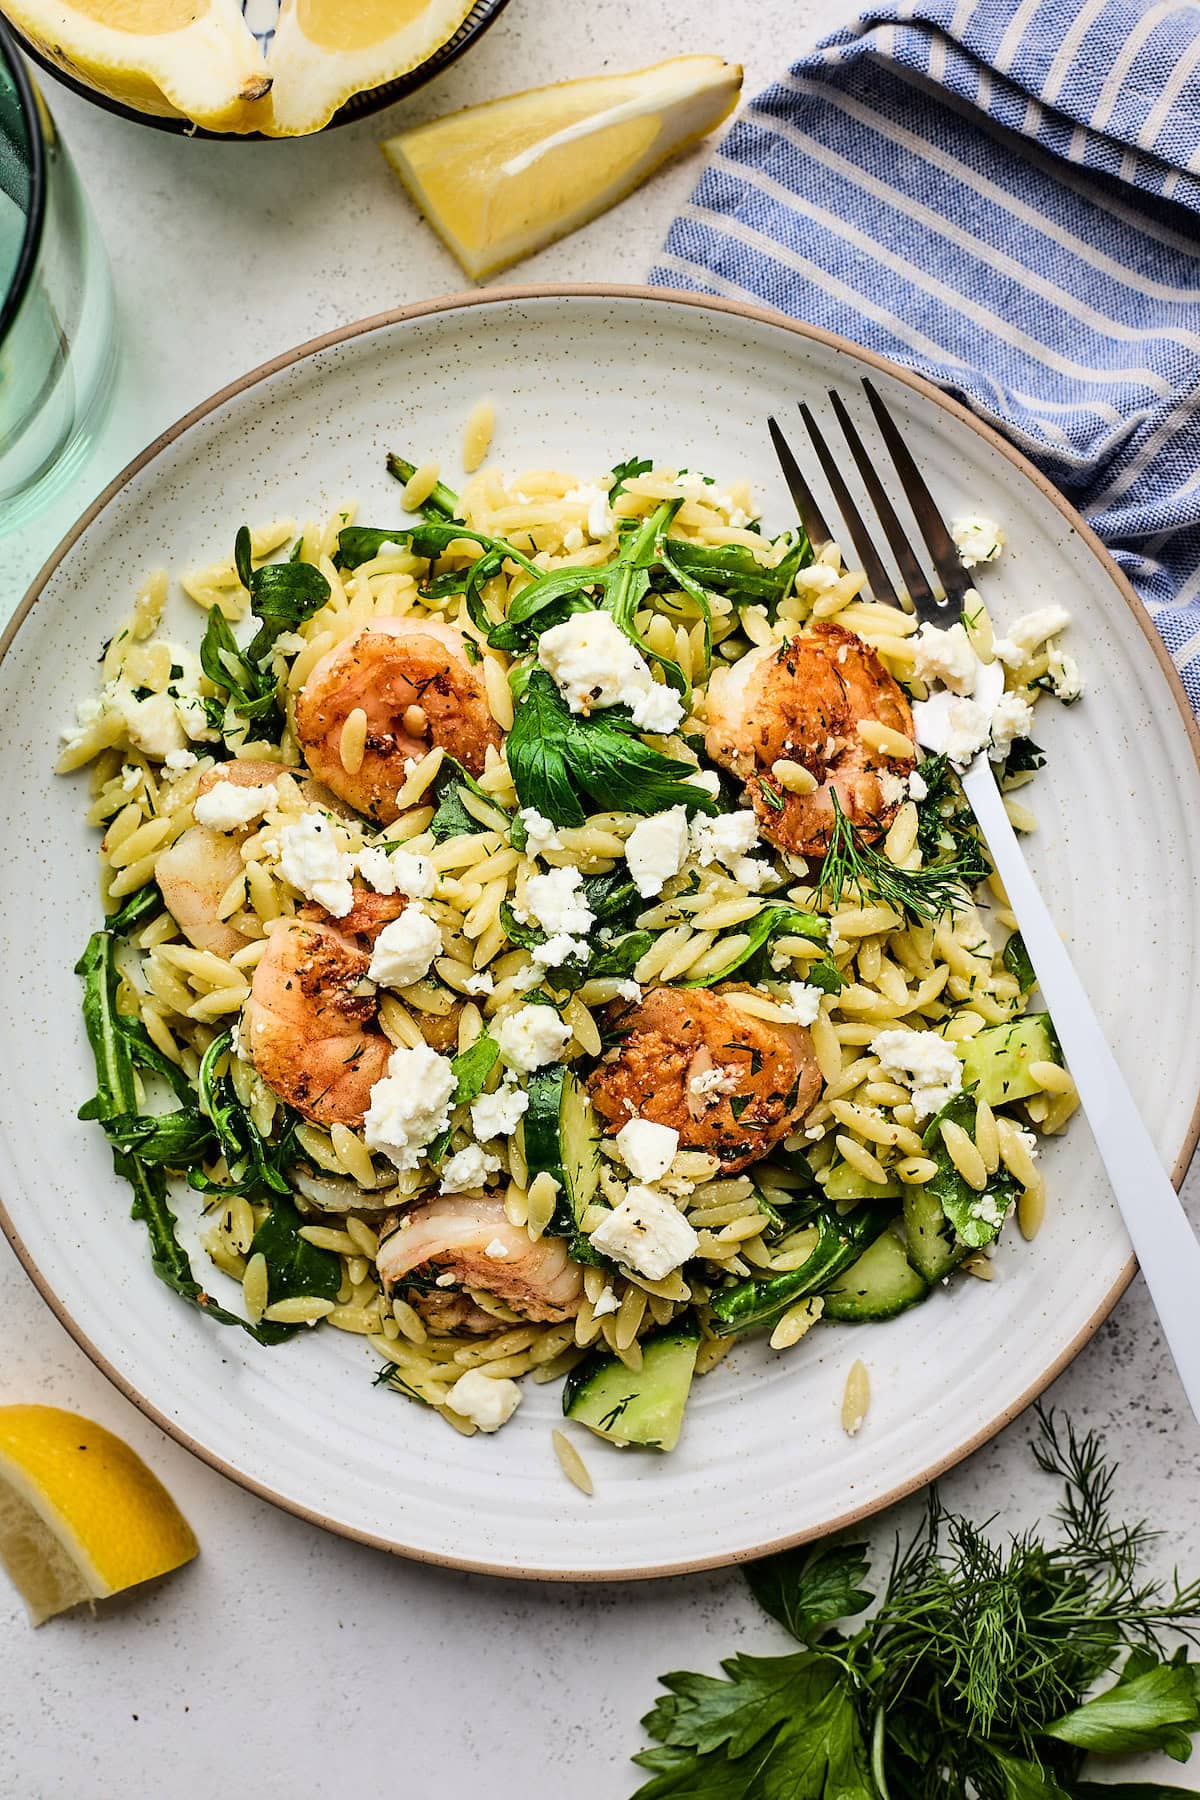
627 471
1157 1709
809 1589
560 759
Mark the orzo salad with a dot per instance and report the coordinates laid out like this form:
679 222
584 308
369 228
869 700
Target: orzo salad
535 937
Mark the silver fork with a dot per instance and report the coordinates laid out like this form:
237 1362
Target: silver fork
1163 1240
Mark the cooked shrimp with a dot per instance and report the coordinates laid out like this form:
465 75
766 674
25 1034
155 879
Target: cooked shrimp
470 1237
413 681
309 1024
801 701
195 871
767 1075
369 913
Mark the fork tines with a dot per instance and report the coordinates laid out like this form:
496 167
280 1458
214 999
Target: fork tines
943 552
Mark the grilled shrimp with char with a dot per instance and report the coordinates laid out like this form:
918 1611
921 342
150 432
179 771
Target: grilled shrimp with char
730 1084
470 1238
802 701
415 683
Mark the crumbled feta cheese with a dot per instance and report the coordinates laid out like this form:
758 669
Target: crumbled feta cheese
724 838
628 990
152 725
557 902
591 494
647 1233
532 1037
918 787
396 872
555 951
987 1211
594 665
710 1084
540 834
979 540
969 726
227 807
804 1002
497 1250
893 788
177 762
923 1062
1034 628
130 777
1029 1139
499 1114
945 656
468 1169
1066 683
573 540
310 860
410 1105
479 983
749 872
656 849
606 1303
487 1401
1011 719
87 714
404 949
647 1149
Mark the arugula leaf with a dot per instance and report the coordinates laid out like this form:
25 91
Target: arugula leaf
960 1202
1015 958
734 571
613 896
1153 1710
809 1589
164 1140
559 759
773 921
451 818
295 1268
140 906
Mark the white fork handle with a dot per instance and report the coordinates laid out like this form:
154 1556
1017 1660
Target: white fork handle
1163 1240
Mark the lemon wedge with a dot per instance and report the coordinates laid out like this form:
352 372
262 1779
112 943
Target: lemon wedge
502 180
192 58
324 51
81 1516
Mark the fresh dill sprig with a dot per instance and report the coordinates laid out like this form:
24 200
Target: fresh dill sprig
924 894
967 1682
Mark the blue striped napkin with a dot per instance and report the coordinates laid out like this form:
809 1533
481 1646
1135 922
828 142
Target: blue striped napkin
1003 195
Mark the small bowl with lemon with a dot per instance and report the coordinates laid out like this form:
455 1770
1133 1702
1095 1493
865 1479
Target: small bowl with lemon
246 68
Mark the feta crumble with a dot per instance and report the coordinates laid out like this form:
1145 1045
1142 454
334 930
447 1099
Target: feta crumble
557 902
468 1169
710 1084
593 665
410 1105
310 860
486 1401
600 523
646 1233
647 1149
226 807
404 949
498 1114
532 1037
727 839
397 872
924 1063
606 1303
656 849
479 983
804 1002
540 834
178 762
978 540
918 787
1066 683
1011 719
945 656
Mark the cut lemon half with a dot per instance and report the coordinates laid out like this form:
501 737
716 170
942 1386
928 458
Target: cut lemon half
81 1516
324 51
192 58
502 180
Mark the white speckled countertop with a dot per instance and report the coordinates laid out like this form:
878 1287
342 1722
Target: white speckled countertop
286 1660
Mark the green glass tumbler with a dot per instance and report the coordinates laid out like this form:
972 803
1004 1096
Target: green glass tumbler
57 337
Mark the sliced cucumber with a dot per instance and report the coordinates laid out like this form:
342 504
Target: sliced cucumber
932 1249
841 1240
845 1183
879 1285
996 1061
562 1139
645 1407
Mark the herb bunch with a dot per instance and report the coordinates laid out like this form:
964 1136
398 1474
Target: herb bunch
967 1682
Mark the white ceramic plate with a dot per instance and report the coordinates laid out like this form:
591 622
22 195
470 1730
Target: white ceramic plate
582 379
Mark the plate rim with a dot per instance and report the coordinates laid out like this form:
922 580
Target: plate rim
459 302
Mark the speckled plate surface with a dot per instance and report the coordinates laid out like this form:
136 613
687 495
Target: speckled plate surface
582 378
